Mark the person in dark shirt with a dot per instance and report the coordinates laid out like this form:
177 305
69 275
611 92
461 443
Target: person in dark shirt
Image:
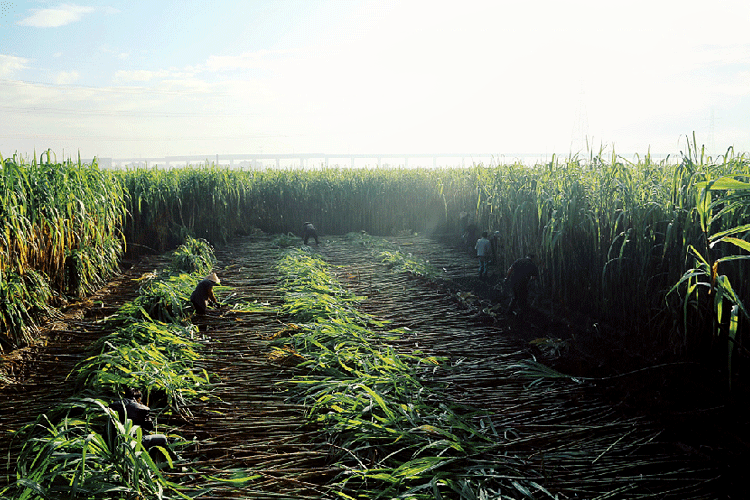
520 273
309 231
130 407
204 293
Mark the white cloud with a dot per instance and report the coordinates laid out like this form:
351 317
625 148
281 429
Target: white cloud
9 65
54 17
138 75
247 60
66 77
144 76
105 49
269 61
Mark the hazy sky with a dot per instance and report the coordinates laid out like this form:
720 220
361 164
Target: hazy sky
128 78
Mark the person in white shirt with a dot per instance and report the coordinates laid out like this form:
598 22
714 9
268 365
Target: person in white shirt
484 253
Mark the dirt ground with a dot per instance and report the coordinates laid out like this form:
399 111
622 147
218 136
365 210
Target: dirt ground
677 398
687 398
686 429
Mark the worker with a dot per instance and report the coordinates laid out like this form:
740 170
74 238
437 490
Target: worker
520 273
309 231
131 408
204 293
484 253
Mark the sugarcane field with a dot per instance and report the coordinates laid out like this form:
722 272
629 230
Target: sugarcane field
573 329
374 250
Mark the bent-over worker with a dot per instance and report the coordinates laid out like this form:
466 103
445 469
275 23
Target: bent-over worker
204 293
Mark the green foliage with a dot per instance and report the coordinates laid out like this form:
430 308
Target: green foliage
286 240
24 301
376 405
311 294
407 263
194 256
721 204
157 358
391 255
80 450
61 221
87 453
162 297
163 205
154 347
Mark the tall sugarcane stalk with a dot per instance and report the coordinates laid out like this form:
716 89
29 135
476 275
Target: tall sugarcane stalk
60 222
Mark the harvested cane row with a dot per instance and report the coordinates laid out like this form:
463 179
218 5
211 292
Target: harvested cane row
37 376
255 435
557 432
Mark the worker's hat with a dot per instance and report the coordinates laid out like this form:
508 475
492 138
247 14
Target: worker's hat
213 277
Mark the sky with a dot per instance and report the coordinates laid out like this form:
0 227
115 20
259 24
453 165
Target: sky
132 78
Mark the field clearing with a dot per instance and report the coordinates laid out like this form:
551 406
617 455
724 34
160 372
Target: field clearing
569 437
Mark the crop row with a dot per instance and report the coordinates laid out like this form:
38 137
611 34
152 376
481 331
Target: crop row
82 448
393 432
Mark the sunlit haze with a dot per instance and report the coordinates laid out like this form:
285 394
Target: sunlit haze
124 79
